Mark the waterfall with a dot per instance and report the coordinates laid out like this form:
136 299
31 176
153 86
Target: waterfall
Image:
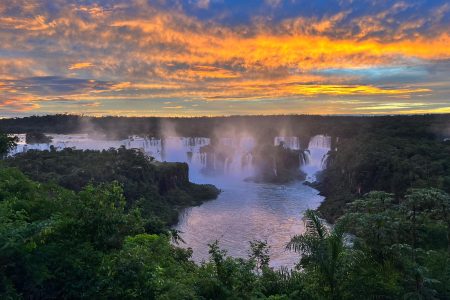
317 154
238 156
230 156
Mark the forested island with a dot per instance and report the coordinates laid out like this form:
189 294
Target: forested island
96 224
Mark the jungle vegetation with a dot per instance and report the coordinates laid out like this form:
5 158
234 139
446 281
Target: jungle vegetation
58 243
158 189
391 158
85 233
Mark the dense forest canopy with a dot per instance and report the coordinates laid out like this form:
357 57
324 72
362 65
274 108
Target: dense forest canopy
159 189
87 224
388 160
62 244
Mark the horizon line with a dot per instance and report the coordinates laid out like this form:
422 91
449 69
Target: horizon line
225 116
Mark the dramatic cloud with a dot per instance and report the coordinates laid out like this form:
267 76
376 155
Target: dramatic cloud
224 57
81 65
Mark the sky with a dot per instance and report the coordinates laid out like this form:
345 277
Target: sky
224 57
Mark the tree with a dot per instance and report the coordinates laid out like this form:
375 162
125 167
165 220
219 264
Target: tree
431 204
147 267
324 254
405 239
7 143
259 254
53 240
374 218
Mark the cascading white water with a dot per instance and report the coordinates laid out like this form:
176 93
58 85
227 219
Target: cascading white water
317 153
150 146
239 159
232 156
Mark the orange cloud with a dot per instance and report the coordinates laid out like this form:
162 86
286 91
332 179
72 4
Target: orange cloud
14 105
173 107
353 90
264 50
38 23
154 54
80 65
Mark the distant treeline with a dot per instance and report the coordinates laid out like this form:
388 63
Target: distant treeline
263 127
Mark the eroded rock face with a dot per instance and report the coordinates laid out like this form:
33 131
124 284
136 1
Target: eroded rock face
277 164
226 159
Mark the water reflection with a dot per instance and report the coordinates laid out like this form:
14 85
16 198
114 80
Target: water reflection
246 211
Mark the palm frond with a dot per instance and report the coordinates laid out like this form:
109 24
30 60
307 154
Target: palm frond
314 225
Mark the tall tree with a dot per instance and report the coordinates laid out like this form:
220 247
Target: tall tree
7 143
323 253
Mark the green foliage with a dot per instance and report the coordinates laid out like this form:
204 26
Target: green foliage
58 243
53 240
224 277
382 160
259 254
147 267
7 143
81 228
158 189
381 248
403 240
324 256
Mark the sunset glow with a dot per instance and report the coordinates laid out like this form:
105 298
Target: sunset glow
190 58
